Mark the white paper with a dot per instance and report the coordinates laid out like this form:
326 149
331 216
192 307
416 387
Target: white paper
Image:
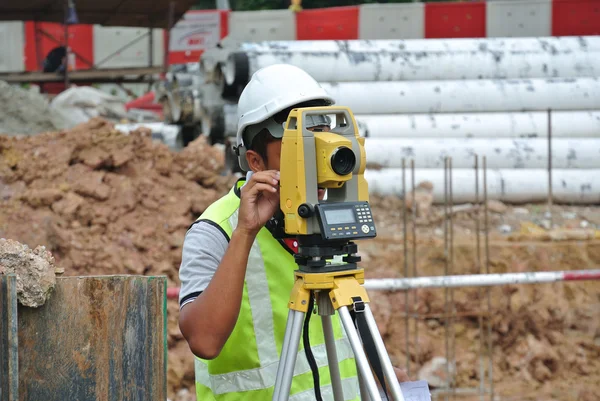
415 391
412 391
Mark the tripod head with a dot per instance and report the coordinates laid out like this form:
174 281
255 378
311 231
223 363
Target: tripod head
321 148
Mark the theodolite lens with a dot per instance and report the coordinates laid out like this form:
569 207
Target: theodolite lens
343 160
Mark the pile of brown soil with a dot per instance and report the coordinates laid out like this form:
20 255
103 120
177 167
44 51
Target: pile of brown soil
108 203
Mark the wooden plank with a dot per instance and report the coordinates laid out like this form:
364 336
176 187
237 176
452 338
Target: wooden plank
9 368
104 75
97 338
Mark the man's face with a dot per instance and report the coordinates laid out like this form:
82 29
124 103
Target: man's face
274 156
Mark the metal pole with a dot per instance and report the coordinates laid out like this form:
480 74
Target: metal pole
480 280
168 38
150 47
38 51
150 55
67 52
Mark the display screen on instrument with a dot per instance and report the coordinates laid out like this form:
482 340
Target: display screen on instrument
340 216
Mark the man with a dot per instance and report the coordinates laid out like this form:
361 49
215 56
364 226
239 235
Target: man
56 60
236 277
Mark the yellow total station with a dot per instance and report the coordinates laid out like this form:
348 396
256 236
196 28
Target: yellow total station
326 157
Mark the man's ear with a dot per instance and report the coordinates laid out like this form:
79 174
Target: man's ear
255 161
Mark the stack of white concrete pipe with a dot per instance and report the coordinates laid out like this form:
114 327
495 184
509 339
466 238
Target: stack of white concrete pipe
427 99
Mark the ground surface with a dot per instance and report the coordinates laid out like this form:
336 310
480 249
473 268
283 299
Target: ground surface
546 337
105 203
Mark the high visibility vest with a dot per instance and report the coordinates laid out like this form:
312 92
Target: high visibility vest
246 368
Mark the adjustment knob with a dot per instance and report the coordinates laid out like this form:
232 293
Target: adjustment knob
305 210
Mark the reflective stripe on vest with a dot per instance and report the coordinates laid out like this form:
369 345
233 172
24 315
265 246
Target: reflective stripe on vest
264 377
260 304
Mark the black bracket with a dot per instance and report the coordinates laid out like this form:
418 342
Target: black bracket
358 304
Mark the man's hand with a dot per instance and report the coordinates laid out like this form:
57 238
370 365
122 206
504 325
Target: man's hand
207 322
259 201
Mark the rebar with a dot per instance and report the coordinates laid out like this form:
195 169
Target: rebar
550 195
414 258
446 258
487 271
452 305
479 297
407 318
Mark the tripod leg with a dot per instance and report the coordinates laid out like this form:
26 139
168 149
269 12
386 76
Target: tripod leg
332 359
359 353
284 351
364 395
282 392
386 363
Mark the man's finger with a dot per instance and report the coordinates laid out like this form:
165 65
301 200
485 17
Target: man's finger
265 177
260 187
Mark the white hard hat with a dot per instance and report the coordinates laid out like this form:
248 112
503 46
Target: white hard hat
273 89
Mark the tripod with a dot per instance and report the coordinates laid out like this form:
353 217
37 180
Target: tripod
337 287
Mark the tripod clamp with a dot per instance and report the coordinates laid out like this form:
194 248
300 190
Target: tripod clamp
359 305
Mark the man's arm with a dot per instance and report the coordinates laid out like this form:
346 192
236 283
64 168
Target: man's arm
207 322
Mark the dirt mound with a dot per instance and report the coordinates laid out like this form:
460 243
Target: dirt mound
108 203
105 202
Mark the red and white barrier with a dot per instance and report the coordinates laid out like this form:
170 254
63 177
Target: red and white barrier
200 29
501 18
